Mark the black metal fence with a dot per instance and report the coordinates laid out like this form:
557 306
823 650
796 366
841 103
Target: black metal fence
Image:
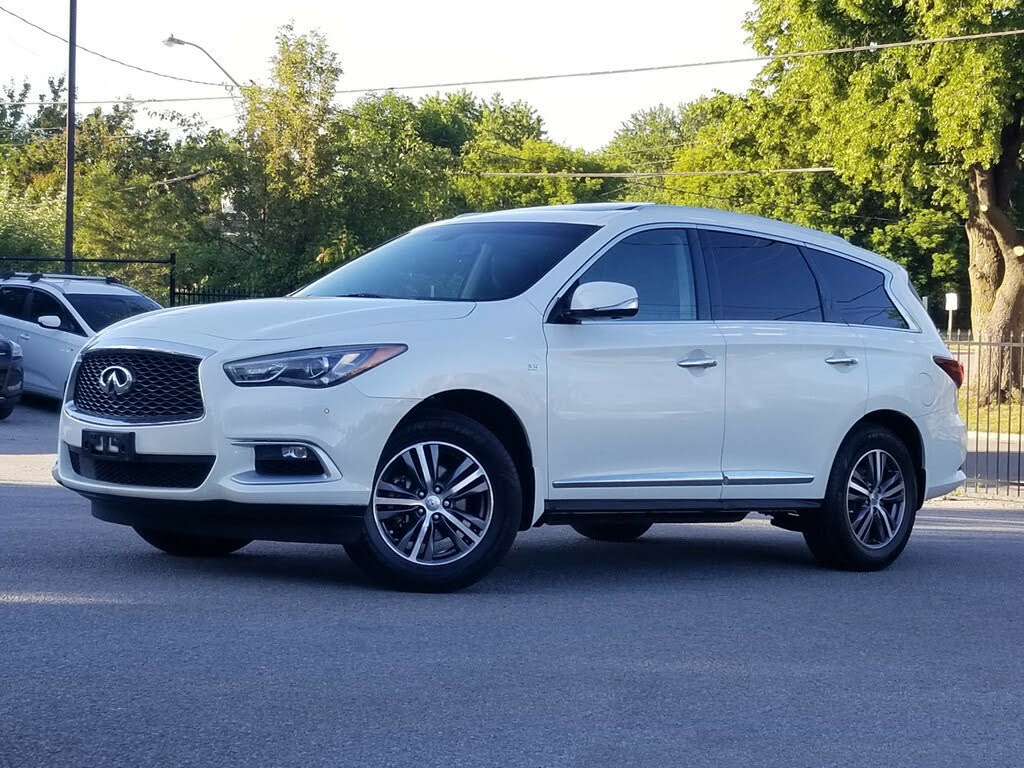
182 297
994 455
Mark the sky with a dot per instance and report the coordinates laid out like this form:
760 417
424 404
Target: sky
391 43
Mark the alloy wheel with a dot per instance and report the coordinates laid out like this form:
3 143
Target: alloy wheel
876 499
433 503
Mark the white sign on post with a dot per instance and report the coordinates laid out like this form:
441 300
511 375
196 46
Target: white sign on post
952 302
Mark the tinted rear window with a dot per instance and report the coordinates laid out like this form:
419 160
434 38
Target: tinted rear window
100 310
857 291
762 279
481 261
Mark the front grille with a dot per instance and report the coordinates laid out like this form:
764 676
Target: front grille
150 471
165 387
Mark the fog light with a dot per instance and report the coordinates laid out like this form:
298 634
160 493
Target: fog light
287 459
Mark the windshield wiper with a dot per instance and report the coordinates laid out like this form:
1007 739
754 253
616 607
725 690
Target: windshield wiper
364 296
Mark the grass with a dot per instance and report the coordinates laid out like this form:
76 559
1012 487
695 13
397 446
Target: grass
1005 418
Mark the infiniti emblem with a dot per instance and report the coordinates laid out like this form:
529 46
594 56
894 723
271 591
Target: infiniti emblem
116 380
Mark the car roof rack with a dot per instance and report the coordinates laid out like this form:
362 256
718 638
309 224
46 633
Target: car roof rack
35 277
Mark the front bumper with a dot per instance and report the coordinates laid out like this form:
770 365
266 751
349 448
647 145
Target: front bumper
347 428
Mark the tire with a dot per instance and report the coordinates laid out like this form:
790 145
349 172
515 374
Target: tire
5 412
611 530
188 545
831 534
390 547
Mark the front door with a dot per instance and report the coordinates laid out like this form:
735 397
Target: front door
50 352
635 405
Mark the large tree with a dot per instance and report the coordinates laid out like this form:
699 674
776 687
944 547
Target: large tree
935 125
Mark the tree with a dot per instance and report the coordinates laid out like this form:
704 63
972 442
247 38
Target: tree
935 125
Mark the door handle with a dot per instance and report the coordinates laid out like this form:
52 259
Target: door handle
842 360
707 363
24 337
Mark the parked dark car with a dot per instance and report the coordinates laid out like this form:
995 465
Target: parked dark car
10 375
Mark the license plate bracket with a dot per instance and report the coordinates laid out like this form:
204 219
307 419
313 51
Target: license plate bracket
119 446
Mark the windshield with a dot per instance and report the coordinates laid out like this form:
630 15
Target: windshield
482 261
100 310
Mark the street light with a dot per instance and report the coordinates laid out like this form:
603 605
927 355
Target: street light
172 41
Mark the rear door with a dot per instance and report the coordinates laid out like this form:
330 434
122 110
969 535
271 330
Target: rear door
795 384
50 352
635 405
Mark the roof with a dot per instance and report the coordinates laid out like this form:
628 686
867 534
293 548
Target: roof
69 284
626 214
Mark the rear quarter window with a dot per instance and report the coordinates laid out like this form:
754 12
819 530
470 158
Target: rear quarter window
857 292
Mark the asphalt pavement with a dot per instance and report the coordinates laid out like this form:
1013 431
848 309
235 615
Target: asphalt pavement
701 645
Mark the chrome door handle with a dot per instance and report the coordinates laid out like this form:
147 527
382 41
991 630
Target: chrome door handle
708 363
24 337
842 360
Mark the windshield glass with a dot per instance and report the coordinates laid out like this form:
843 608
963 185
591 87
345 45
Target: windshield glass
482 261
100 310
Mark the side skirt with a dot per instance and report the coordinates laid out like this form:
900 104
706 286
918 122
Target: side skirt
567 511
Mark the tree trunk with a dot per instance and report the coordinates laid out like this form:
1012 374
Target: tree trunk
997 287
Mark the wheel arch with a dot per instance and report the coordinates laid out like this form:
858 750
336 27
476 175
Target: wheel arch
500 418
907 431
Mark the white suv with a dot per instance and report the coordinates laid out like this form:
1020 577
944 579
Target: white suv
603 366
52 316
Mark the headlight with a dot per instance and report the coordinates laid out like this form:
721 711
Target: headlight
310 367
15 350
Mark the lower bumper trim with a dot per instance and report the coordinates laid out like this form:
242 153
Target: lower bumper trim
302 523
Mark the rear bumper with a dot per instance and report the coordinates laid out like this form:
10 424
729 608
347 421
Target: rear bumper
307 523
11 384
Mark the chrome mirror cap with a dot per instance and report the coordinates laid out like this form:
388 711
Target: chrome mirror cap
603 299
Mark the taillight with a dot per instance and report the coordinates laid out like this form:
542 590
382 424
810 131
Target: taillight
953 369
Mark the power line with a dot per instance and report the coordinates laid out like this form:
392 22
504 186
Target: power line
870 48
652 174
108 58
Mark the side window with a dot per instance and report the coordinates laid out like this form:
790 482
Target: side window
12 301
761 279
857 292
45 304
657 263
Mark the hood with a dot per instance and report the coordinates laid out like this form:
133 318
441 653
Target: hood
287 318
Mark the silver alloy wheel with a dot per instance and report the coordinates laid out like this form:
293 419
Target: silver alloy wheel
876 499
433 503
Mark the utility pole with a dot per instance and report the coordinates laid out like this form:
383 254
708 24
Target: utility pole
69 203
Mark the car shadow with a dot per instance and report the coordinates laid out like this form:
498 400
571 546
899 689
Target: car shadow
541 562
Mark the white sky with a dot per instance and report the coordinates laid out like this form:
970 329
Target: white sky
395 43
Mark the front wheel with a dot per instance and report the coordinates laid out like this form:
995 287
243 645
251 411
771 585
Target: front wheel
445 509
870 503
188 545
5 412
613 530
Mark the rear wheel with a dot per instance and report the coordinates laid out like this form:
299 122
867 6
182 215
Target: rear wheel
188 545
870 503
612 530
445 509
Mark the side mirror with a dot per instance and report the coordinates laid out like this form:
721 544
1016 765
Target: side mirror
600 299
49 321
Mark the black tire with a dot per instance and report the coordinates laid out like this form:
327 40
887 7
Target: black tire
376 557
188 545
829 533
611 530
5 412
